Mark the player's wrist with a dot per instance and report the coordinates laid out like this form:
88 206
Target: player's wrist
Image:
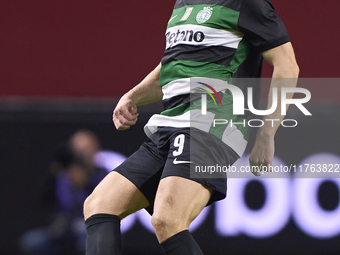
266 134
130 97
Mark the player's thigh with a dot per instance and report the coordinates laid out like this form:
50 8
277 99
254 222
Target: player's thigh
179 201
115 195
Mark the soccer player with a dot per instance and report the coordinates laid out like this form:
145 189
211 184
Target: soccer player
209 41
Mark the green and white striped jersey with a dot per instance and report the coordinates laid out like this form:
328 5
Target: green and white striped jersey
210 42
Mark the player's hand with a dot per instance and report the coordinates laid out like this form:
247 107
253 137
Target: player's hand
262 154
125 114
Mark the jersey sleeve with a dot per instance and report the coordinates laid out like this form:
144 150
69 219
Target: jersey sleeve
261 26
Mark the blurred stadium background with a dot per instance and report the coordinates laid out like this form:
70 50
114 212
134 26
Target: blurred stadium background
64 65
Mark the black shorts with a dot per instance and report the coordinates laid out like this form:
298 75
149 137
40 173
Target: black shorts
173 152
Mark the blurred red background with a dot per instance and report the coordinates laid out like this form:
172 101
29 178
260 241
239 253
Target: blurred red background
103 48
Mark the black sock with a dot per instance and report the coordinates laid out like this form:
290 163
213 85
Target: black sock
103 235
181 244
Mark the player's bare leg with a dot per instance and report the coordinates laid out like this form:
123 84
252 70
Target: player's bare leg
178 202
113 199
115 195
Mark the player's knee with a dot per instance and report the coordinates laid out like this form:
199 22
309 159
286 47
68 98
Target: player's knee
158 222
89 206
98 203
94 204
164 222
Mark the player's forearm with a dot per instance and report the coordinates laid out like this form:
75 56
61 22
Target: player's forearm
283 76
148 90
